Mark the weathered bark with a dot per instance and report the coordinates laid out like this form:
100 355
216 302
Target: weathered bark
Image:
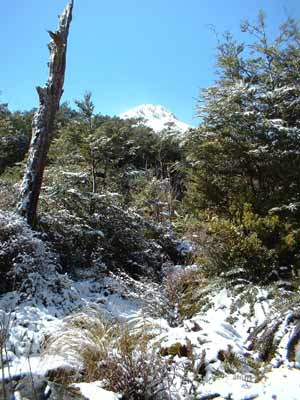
42 125
93 167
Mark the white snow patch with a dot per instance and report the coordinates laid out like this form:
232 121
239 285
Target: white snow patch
279 384
94 391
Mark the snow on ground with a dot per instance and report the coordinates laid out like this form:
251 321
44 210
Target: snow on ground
217 329
211 333
279 384
30 322
94 391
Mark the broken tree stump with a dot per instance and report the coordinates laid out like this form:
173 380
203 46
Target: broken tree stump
43 121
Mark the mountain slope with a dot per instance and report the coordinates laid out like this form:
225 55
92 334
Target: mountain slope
156 117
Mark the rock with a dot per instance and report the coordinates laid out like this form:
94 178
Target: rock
60 392
196 327
32 387
221 355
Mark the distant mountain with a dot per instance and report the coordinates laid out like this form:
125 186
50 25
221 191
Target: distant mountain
156 117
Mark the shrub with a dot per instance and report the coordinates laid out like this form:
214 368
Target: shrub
8 195
183 293
28 264
121 358
248 247
90 229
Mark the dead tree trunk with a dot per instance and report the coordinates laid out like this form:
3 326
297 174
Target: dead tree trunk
43 121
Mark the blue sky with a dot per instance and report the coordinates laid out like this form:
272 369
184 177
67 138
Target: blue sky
127 52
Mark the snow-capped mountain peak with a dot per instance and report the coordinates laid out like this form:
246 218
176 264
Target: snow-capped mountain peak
156 117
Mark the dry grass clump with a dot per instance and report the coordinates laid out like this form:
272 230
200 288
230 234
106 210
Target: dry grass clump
113 353
186 292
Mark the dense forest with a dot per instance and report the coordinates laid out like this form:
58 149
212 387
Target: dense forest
171 220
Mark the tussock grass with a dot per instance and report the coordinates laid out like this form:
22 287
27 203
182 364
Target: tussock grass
116 354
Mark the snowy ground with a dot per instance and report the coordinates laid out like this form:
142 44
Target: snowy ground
30 322
209 334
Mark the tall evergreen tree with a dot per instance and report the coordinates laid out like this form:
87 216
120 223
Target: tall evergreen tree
245 178
248 147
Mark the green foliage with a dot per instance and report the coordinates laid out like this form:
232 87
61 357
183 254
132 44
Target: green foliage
155 198
96 166
14 137
233 184
249 247
244 179
92 230
248 146
117 154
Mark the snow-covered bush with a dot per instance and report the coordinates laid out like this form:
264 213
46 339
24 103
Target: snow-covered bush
27 264
90 229
8 195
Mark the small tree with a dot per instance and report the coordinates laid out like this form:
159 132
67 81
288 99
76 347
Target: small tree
86 111
43 121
